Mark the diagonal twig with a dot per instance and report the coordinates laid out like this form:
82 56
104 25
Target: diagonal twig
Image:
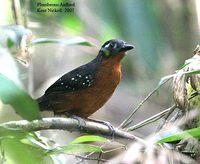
149 120
171 109
127 120
17 12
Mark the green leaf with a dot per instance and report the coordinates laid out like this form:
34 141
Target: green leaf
75 148
17 148
192 72
184 65
10 43
181 135
23 104
89 138
18 153
74 41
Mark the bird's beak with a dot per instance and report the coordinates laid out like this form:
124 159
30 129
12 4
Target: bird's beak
127 47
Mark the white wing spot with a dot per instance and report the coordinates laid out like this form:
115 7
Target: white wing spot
61 83
72 78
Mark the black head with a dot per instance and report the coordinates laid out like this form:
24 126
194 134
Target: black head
114 47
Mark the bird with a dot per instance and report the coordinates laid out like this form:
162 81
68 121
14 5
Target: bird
85 89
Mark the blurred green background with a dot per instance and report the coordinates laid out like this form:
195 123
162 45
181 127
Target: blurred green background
164 33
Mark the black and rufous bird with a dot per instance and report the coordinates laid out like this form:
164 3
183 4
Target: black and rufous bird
84 90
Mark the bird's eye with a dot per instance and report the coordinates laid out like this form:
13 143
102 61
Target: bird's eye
113 45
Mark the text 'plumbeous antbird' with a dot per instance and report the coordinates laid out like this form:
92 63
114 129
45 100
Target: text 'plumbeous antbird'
85 89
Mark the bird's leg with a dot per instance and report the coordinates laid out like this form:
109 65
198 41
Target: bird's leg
80 120
111 128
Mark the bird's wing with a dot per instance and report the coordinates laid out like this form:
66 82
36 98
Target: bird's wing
74 80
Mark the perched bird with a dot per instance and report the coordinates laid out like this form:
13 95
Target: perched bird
84 90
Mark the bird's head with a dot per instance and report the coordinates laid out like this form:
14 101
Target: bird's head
114 47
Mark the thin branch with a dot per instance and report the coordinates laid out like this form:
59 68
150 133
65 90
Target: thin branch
149 120
90 158
100 154
171 109
107 151
26 9
69 124
127 120
17 12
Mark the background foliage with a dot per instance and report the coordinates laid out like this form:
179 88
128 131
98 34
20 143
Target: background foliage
163 32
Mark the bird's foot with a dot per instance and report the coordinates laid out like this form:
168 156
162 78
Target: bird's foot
109 125
81 121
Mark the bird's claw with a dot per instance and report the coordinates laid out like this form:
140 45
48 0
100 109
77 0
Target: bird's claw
81 121
110 127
